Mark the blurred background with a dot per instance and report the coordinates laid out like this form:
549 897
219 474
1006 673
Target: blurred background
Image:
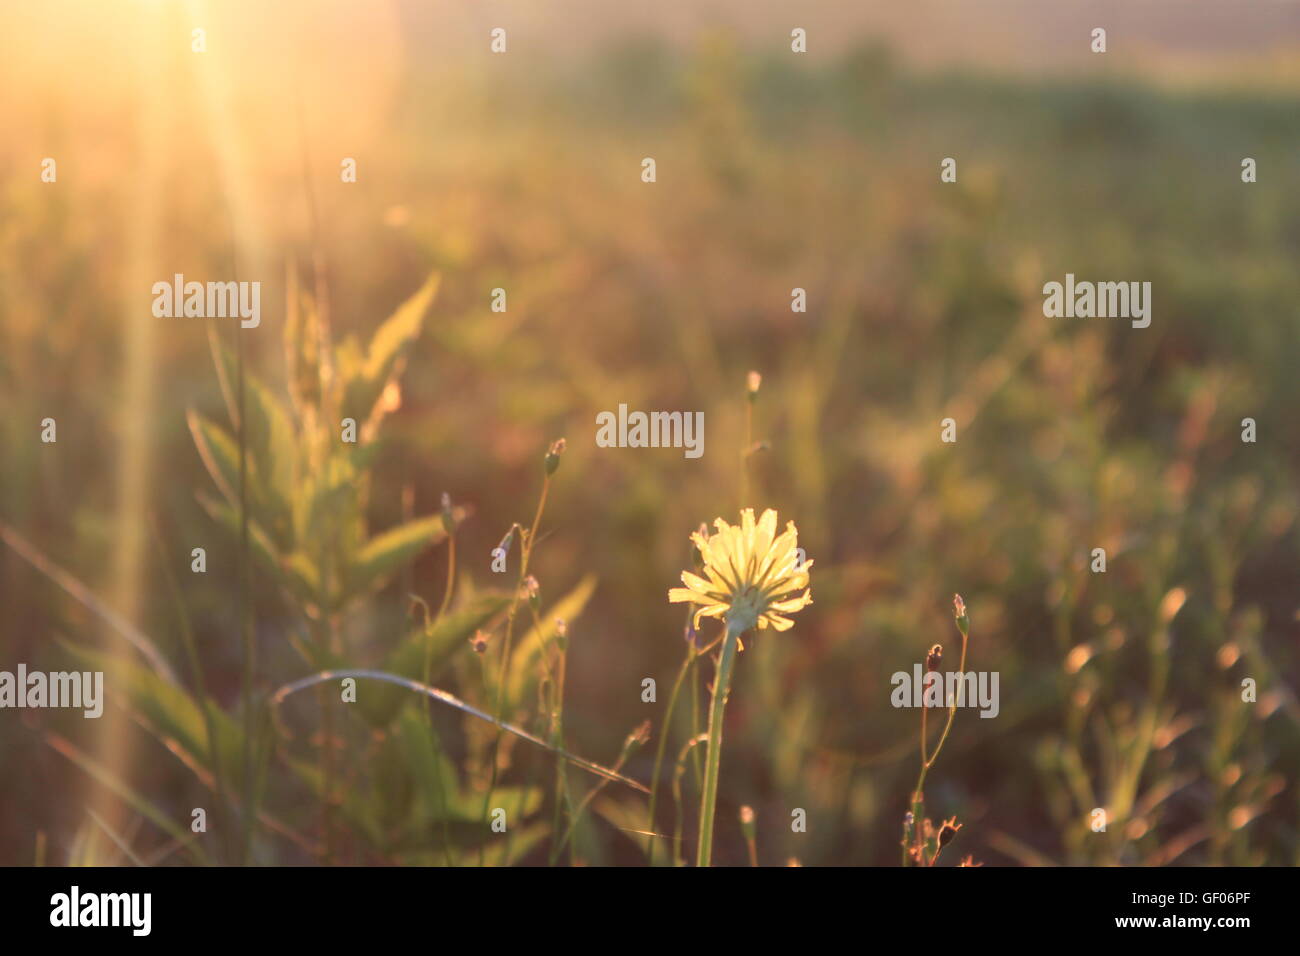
775 170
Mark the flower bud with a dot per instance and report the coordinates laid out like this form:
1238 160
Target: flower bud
948 831
552 460
747 822
448 514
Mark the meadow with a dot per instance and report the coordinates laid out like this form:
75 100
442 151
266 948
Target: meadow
1119 690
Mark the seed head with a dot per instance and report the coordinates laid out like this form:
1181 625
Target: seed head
552 460
948 831
448 514
637 738
509 538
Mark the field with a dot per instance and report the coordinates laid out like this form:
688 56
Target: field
500 274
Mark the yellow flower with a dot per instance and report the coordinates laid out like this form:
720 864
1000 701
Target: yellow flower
752 574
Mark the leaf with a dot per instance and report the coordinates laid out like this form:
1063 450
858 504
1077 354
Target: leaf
434 775
381 703
387 352
523 662
330 495
301 345
359 811
218 451
384 554
220 455
171 713
296 573
133 799
272 443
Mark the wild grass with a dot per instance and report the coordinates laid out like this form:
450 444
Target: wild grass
1122 691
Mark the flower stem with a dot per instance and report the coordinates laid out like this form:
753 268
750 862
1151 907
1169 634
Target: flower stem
659 751
712 764
918 795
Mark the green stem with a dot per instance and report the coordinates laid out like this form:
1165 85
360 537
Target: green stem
662 746
918 796
709 798
525 550
428 667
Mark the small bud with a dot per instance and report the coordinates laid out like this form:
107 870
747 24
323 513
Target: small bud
747 822
959 612
755 382
530 589
934 657
637 738
479 642
448 514
948 831
509 538
562 632
552 460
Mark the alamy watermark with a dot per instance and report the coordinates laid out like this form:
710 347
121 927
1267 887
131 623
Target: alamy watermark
74 908
1102 300
939 689
683 430
211 300
83 689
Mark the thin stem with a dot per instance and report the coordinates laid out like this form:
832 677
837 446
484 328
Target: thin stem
691 657
200 683
451 583
709 797
918 800
525 550
744 453
428 666
678 772
242 611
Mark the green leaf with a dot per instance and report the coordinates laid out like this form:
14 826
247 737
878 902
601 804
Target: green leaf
357 807
296 573
385 553
220 455
218 451
330 496
171 714
523 662
387 351
436 781
381 703
272 443
134 800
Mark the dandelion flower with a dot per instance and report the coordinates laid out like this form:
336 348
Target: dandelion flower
752 575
